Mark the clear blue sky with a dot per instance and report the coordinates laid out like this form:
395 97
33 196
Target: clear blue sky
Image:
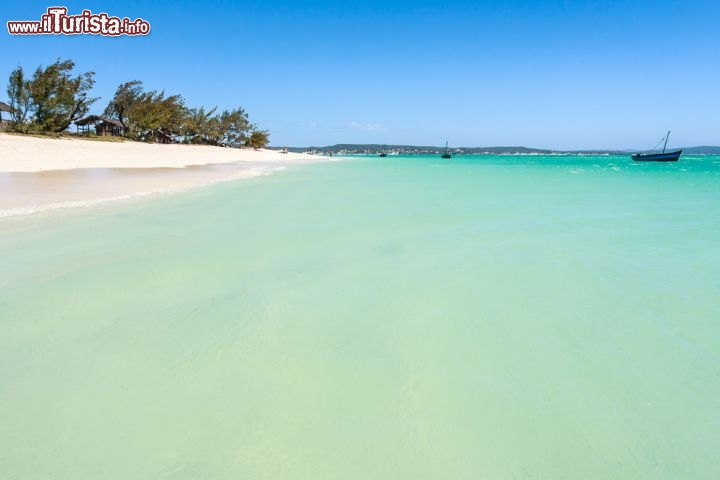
552 73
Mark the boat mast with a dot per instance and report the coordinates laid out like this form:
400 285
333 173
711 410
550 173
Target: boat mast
666 139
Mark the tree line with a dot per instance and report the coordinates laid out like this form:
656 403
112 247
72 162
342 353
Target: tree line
54 97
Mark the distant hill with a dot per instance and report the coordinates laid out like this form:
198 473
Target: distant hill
353 148
701 150
424 149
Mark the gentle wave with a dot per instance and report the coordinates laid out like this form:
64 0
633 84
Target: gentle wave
34 209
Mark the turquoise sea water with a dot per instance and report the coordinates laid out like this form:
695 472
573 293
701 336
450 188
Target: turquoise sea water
398 318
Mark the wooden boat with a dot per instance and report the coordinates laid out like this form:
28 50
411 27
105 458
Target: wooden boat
659 157
447 153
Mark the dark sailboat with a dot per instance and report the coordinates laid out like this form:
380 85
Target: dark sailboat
659 157
447 153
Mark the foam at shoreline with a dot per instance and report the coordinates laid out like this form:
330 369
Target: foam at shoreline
32 193
43 174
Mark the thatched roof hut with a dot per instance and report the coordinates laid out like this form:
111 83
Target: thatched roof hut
103 126
159 136
4 107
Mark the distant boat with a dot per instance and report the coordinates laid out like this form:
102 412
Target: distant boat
659 157
447 153
383 154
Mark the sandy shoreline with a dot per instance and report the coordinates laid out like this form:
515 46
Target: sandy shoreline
38 174
31 154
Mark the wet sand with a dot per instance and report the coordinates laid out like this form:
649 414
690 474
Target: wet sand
32 192
39 174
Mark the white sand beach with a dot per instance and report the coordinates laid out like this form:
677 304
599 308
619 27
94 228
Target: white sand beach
38 174
20 153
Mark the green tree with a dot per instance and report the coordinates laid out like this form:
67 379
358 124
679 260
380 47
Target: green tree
155 116
57 97
234 127
201 127
18 91
258 138
148 115
126 95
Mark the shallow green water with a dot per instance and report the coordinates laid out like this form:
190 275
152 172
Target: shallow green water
486 317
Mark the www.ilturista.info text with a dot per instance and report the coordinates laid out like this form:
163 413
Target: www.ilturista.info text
57 22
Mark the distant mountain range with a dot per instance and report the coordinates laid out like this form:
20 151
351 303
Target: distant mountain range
705 150
352 148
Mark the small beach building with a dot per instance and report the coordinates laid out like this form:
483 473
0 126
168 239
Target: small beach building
4 107
159 136
104 127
